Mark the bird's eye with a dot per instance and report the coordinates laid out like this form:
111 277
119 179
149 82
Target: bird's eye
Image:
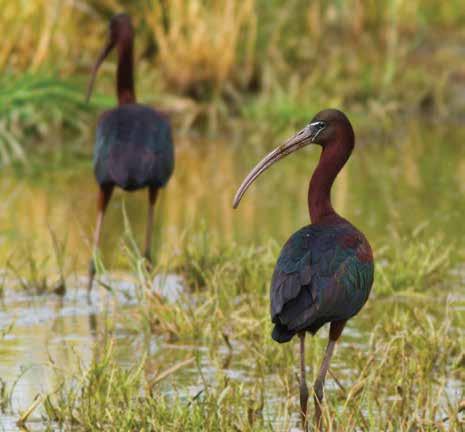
319 125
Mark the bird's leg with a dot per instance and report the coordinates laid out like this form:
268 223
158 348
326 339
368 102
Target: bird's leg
303 384
102 203
334 333
153 192
320 381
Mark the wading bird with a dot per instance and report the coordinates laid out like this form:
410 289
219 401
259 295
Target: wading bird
133 147
325 270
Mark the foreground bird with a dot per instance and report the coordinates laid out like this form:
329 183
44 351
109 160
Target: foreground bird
325 270
133 148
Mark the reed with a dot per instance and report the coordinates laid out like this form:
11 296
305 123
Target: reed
202 45
262 61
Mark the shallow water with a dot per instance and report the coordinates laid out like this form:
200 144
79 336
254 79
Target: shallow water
52 336
418 178
399 184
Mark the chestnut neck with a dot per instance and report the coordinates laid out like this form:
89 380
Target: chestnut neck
333 157
125 72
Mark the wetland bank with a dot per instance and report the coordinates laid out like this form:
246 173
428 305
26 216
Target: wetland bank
187 346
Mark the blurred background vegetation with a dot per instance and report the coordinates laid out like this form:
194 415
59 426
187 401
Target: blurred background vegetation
208 63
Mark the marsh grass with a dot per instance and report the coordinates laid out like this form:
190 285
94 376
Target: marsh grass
119 402
413 264
399 380
399 365
37 273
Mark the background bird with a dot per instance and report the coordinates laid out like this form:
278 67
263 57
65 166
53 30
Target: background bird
325 270
133 147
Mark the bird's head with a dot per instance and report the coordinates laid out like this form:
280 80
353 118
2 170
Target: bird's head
120 28
325 129
120 31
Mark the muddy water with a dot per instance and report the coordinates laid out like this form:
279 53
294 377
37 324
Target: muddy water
418 177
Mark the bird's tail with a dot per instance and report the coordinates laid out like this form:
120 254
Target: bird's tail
281 333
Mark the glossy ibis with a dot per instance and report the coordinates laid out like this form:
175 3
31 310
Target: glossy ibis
325 270
133 147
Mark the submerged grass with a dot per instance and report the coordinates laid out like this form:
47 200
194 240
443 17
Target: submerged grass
36 273
399 366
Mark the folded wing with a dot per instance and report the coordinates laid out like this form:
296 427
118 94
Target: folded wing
324 273
133 148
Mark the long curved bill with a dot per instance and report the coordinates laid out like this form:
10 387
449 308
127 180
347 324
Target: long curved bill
106 50
302 138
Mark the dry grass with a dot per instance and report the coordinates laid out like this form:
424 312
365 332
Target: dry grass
262 60
201 44
38 33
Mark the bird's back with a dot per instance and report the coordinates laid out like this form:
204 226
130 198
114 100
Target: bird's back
324 273
133 148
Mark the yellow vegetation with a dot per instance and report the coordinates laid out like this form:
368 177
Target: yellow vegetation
203 42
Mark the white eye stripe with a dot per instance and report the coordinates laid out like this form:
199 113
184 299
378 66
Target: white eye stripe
318 124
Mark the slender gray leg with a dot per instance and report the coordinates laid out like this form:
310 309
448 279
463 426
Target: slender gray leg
303 383
153 193
320 381
334 333
103 200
